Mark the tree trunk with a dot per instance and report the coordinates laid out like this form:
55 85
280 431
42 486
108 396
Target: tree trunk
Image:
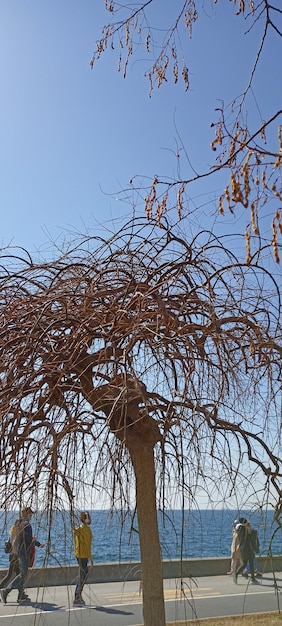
142 456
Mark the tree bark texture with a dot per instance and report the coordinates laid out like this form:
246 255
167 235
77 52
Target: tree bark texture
142 457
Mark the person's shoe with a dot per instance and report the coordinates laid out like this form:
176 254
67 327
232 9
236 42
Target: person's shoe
23 597
3 595
258 575
78 602
254 581
235 576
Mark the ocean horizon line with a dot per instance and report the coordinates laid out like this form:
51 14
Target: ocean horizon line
183 533
118 510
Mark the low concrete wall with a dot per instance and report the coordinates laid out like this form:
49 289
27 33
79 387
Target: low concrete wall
122 572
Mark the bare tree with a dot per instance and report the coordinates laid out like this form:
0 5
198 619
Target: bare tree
250 150
142 352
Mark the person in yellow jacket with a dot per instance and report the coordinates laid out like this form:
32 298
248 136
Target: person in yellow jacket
83 554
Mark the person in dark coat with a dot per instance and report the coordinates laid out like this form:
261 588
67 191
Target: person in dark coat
255 544
25 544
246 549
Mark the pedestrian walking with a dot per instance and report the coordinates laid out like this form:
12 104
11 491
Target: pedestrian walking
255 546
235 549
83 554
246 549
25 544
14 567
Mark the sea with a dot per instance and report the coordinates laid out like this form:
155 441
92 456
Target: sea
183 534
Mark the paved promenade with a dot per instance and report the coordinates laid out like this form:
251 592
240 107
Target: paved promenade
118 604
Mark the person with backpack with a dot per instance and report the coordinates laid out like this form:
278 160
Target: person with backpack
25 543
246 549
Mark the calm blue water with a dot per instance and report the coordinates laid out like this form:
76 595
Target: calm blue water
192 534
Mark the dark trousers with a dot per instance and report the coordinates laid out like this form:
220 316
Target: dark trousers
246 559
19 581
82 575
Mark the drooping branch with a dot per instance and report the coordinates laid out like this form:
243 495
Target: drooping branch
254 169
152 336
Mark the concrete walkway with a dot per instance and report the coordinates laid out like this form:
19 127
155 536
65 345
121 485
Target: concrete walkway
118 604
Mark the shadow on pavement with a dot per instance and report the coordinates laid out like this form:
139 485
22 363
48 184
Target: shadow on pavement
41 606
261 582
105 609
46 606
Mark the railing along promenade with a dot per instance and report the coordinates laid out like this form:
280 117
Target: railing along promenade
125 571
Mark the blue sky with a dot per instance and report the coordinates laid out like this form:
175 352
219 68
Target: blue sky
72 138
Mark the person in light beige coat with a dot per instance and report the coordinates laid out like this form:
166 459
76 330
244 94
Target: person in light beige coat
236 559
